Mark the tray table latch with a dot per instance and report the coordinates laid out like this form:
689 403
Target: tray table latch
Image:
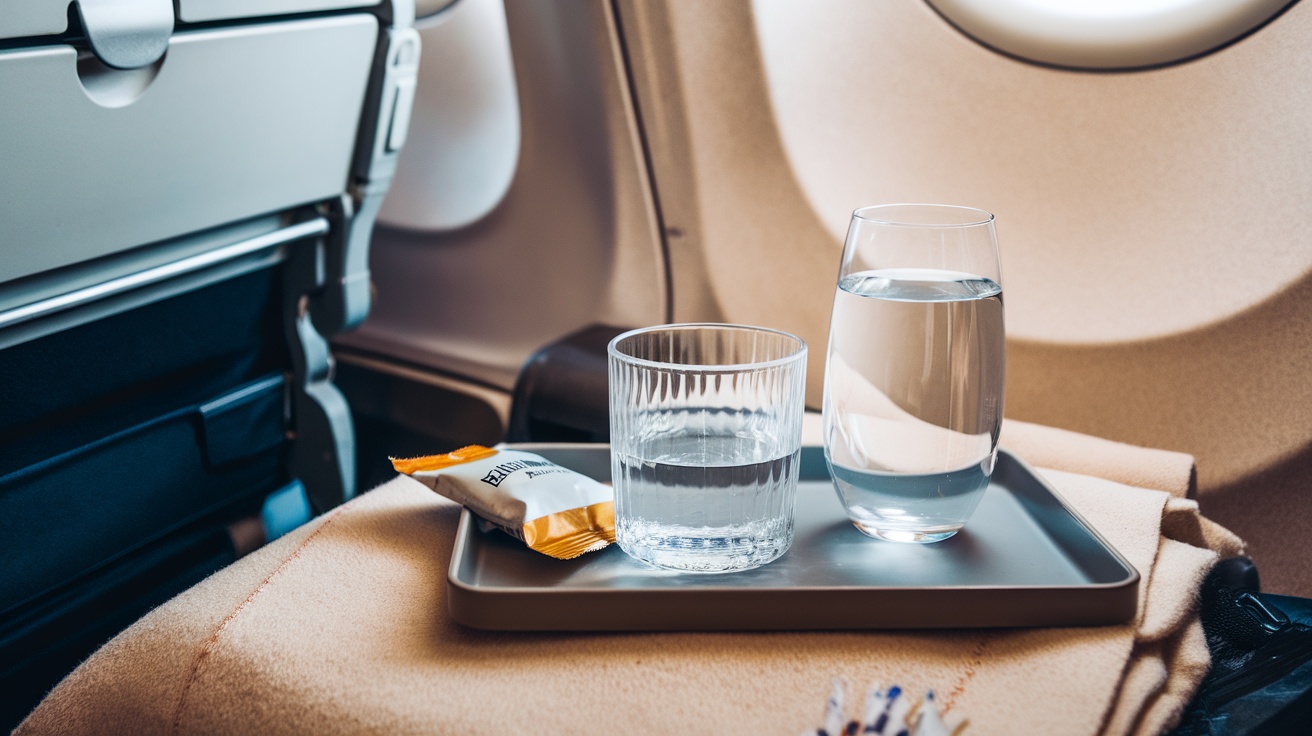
344 301
127 34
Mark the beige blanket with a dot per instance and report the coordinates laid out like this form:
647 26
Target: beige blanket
341 628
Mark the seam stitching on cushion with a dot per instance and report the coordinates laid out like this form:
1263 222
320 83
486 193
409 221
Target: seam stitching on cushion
976 659
213 639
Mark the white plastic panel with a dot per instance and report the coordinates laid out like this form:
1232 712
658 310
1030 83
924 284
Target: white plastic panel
463 142
425 8
193 11
236 122
1107 34
21 18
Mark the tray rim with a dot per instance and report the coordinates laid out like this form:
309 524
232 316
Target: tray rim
464 532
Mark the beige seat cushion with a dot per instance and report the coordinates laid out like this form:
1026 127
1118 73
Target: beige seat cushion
341 627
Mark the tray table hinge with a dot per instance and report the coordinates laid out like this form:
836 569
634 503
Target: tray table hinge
322 453
344 302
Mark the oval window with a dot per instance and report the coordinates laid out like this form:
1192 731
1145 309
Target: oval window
1107 34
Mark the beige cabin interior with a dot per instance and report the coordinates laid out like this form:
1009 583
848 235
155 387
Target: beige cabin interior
1150 221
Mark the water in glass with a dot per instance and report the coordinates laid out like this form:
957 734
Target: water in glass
706 429
913 398
707 502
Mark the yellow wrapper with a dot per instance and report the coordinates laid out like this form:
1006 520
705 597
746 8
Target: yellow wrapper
554 510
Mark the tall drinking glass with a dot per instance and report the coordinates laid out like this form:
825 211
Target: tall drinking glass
915 369
705 432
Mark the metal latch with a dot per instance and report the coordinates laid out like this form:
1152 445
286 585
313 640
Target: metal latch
127 34
1269 618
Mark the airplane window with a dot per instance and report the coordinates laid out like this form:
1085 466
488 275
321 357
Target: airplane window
1119 193
1107 34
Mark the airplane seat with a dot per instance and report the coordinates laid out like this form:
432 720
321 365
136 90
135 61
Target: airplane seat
185 209
626 184
1152 225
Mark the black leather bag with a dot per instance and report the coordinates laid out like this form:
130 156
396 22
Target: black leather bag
1261 646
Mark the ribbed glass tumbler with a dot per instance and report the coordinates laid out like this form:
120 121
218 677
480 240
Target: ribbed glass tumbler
706 430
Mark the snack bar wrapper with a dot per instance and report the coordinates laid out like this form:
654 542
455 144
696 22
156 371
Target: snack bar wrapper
554 510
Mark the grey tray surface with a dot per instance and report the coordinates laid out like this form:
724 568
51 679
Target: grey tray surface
1025 559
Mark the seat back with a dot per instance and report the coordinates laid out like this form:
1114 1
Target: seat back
185 211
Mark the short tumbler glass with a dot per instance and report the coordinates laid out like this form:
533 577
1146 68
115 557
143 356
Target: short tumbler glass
706 430
915 369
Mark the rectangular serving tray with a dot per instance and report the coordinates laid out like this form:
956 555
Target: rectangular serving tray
1025 559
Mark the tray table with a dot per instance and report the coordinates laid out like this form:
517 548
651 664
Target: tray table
1025 559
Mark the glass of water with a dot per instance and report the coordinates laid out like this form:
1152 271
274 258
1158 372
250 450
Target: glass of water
705 431
915 369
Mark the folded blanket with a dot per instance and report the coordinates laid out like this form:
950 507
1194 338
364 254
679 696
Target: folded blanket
341 628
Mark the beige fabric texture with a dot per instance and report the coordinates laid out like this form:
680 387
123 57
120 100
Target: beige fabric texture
341 628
